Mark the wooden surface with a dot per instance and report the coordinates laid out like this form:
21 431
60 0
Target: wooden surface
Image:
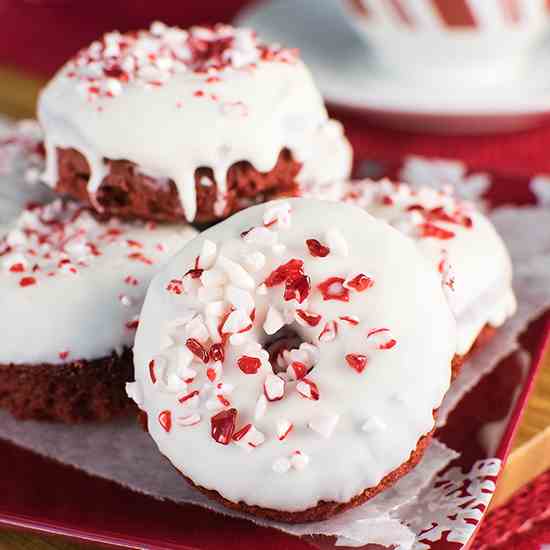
531 449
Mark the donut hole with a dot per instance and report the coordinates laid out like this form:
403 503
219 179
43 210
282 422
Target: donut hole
283 340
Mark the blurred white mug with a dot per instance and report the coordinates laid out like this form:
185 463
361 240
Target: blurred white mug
458 41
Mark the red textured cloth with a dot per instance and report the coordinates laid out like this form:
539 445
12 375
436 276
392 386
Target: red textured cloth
38 35
523 524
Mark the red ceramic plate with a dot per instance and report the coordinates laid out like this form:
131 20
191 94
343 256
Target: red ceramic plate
41 495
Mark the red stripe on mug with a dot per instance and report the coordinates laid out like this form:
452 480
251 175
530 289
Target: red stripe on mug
359 7
401 12
548 5
455 13
511 10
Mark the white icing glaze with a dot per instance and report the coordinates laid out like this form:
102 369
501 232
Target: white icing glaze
365 422
473 261
164 104
21 164
73 286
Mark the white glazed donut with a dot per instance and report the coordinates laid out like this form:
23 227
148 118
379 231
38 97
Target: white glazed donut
319 429
76 285
456 238
172 101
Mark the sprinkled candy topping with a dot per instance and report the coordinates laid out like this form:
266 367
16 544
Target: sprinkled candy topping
226 288
333 289
249 365
316 249
151 57
300 373
308 389
357 361
62 270
57 239
165 420
223 426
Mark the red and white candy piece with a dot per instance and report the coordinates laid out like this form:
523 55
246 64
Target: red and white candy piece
274 387
214 371
381 338
240 299
359 282
165 420
223 426
190 400
357 361
261 236
248 437
307 318
283 428
350 320
156 368
189 420
278 215
333 289
308 389
237 321
296 370
316 249
329 332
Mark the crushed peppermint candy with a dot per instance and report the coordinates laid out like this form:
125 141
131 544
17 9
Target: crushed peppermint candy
357 361
248 437
190 420
283 427
425 210
333 289
316 249
359 282
308 389
150 58
274 387
62 238
223 426
165 420
223 332
329 332
381 338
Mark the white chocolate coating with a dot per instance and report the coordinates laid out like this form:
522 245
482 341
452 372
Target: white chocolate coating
157 100
471 257
72 287
298 450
